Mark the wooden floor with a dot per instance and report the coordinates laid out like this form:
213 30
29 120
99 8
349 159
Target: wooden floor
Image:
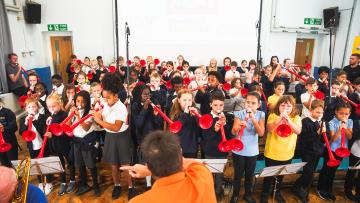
106 185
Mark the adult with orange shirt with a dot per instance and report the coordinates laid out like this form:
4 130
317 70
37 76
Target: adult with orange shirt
177 179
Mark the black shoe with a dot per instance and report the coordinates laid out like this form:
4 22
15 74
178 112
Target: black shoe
234 198
249 199
71 187
62 189
96 189
323 195
148 188
279 198
300 193
116 192
331 196
82 189
131 193
349 195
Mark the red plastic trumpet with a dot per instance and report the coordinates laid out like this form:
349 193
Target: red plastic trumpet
357 106
332 161
4 147
69 130
57 129
111 69
23 98
142 62
318 94
342 151
198 87
283 130
236 143
226 86
205 121
224 145
43 145
90 75
227 68
174 126
29 135
156 62
129 62
186 81
244 91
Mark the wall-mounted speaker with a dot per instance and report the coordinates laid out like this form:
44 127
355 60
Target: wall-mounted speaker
32 13
331 17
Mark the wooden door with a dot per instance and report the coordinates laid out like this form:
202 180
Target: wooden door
304 51
61 48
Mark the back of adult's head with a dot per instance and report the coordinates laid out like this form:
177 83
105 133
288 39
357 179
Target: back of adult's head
162 153
7 183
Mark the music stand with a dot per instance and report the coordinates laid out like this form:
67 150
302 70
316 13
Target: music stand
214 165
281 170
43 166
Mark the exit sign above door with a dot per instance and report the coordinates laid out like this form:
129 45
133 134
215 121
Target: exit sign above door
57 27
312 21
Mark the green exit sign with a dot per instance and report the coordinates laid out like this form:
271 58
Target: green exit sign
57 27
312 21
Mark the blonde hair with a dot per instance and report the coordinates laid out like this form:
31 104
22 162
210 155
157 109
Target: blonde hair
155 75
176 108
54 97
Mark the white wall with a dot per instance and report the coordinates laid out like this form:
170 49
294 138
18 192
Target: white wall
199 29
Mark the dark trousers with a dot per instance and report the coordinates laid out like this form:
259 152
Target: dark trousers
327 174
83 175
305 180
190 155
243 164
268 181
70 165
20 91
7 157
353 176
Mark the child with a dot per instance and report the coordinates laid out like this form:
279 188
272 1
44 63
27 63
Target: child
41 93
167 72
68 97
189 133
177 84
97 102
83 144
57 83
202 97
235 94
280 150
186 72
245 160
33 79
263 104
327 174
113 118
351 180
254 80
311 146
279 89
232 73
332 101
345 89
307 97
8 127
300 87
199 79
145 118
82 83
157 92
60 145
212 137
267 79
323 82
32 108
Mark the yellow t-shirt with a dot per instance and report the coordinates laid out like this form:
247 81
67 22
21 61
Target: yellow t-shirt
280 148
273 99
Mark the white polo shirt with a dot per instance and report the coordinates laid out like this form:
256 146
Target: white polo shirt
117 111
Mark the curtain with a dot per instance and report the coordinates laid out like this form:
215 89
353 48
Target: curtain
5 46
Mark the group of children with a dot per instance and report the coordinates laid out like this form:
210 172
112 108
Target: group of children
259 100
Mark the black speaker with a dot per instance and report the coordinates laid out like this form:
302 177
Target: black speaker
331 17
32 13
